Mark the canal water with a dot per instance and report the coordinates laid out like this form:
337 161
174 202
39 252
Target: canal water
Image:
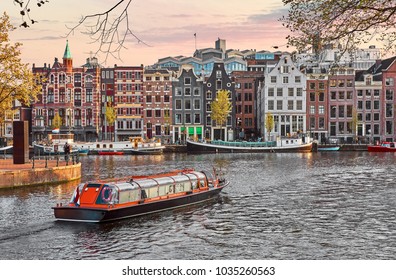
336 205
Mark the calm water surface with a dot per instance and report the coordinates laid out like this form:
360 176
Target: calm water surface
337 205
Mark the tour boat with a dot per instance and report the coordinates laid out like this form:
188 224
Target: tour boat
383 147
103 201
289 144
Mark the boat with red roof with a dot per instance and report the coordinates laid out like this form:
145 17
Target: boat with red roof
103 201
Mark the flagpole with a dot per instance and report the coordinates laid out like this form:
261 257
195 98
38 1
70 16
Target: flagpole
195 38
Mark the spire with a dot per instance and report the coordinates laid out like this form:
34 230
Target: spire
67 53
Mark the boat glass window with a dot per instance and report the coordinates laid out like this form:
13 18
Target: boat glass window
108 195
152 192
77 193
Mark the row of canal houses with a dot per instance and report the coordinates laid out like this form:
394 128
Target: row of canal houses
171 100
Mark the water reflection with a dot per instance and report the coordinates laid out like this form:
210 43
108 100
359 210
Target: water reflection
279 206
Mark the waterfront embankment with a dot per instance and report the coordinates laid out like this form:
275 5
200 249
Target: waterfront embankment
43 171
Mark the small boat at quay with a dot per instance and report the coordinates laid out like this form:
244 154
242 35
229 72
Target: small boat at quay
103 201
328 149
110 153
383 147
283 145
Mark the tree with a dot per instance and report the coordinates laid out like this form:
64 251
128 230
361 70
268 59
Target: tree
269 124
17 81
109 28
349 23
111 116
57 121
221 107
354 122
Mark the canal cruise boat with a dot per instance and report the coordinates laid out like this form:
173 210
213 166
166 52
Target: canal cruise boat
104 201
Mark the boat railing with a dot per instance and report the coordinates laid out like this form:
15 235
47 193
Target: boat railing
244 144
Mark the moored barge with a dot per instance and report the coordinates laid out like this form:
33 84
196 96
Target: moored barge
139 195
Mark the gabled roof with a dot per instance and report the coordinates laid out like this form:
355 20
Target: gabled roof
381 66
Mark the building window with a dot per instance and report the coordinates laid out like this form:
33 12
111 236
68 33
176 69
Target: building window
321 109
149 113
187 104
270 104
389 94
290 105
188 118
271 91
299 105
208 94
279 92
273 79
389 81
312 109
178 119
321 123
299 91
197 104
349 111
297 79
285 80
197 118
279 105
178 104
312 96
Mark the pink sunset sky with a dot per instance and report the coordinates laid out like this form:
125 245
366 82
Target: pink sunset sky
167 26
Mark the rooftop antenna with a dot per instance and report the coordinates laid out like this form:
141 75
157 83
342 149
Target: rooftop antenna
195 38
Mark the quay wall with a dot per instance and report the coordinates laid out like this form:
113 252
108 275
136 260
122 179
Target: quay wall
39 176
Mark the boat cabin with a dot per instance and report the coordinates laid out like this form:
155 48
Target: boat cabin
140 190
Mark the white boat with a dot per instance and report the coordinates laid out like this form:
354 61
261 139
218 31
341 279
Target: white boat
54 144
135 145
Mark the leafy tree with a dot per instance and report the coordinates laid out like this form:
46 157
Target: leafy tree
111 116
221 107
17 81
346 22
269 124
57 121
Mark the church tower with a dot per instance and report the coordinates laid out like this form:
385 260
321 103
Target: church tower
67 59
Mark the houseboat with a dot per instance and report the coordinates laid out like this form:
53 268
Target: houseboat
104 201
289 144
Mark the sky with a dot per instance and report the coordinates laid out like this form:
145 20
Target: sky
167 28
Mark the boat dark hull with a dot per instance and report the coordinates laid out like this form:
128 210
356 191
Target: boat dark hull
381 149
71 213
194 147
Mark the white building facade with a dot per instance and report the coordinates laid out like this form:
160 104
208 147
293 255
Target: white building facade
283 94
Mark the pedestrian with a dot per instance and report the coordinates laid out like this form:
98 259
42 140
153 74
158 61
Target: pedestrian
66 149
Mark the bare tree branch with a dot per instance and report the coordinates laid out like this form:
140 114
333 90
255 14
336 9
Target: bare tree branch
111 34
110 29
